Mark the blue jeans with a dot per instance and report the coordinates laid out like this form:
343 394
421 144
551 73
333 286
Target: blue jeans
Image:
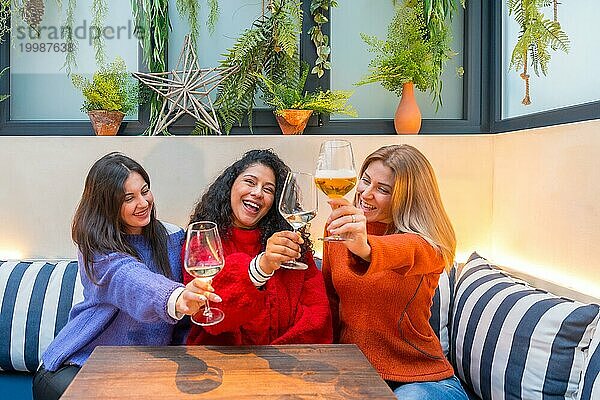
448 389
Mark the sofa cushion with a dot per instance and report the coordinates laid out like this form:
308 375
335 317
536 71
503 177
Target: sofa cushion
16 385
590 386
440 309
513 341
35 300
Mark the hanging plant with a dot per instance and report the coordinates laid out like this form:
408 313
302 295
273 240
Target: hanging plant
318 11
537 36
191 10
268 48
29 11
152 25
32 12
3 96
71 55
99 12
4 18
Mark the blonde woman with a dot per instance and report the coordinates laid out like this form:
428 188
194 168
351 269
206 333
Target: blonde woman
382 278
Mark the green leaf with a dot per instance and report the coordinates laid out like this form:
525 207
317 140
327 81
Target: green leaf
320 18
323 51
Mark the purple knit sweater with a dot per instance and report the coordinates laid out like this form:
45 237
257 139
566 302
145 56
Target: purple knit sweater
128 307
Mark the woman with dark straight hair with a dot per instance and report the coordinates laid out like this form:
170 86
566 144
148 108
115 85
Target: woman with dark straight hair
130 268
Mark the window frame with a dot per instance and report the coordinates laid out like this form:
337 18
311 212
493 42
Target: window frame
482 59
471 121
557 116
10 127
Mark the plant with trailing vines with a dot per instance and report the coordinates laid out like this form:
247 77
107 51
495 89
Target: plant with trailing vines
538 34
270 48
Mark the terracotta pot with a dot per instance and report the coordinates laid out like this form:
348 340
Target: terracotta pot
106 123
407 119
292 122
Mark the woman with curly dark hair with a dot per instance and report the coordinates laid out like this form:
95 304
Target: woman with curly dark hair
263 303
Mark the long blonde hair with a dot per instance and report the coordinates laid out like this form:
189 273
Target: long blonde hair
416 202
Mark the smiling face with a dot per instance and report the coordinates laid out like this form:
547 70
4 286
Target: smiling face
252 195
137 204
374 192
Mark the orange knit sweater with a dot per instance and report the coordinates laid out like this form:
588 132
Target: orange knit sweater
384 306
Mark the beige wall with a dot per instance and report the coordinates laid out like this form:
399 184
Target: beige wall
546 204
511 197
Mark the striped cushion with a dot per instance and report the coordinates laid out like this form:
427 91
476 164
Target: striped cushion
440 309
590 387
511 341
35 299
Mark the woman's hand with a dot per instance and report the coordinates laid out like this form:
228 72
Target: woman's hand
194 296
349 222
281 247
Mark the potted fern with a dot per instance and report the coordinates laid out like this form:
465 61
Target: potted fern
293 106
413 54
108 96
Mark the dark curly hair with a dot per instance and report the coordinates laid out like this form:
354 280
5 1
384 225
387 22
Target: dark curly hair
215 204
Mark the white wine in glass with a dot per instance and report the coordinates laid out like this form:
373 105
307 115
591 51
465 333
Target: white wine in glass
204 259
298 205
335 175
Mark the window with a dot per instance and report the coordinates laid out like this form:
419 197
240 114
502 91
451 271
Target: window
571 89
350 61
234 18
42 97
486 99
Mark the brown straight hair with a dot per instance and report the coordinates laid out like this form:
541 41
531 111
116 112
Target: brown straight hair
97 227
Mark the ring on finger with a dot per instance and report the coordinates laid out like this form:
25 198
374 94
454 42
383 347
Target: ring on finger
353 218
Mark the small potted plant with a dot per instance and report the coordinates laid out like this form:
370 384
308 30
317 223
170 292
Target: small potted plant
108 96
293 106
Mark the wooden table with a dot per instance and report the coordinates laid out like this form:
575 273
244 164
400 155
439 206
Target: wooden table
180 372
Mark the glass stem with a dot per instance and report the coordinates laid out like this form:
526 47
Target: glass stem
207 312
295 231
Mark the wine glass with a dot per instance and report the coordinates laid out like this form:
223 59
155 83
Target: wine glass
298 205
204 259
335 174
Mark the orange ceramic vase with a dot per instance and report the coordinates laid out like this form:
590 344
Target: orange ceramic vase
292 122
407 119
106 123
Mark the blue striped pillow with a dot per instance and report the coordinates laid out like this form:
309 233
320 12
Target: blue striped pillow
440 309
512 341
35 300
590 385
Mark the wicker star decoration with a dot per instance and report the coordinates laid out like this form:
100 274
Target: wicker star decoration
186 90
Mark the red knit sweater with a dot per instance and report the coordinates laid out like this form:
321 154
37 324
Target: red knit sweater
291 308
384 306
